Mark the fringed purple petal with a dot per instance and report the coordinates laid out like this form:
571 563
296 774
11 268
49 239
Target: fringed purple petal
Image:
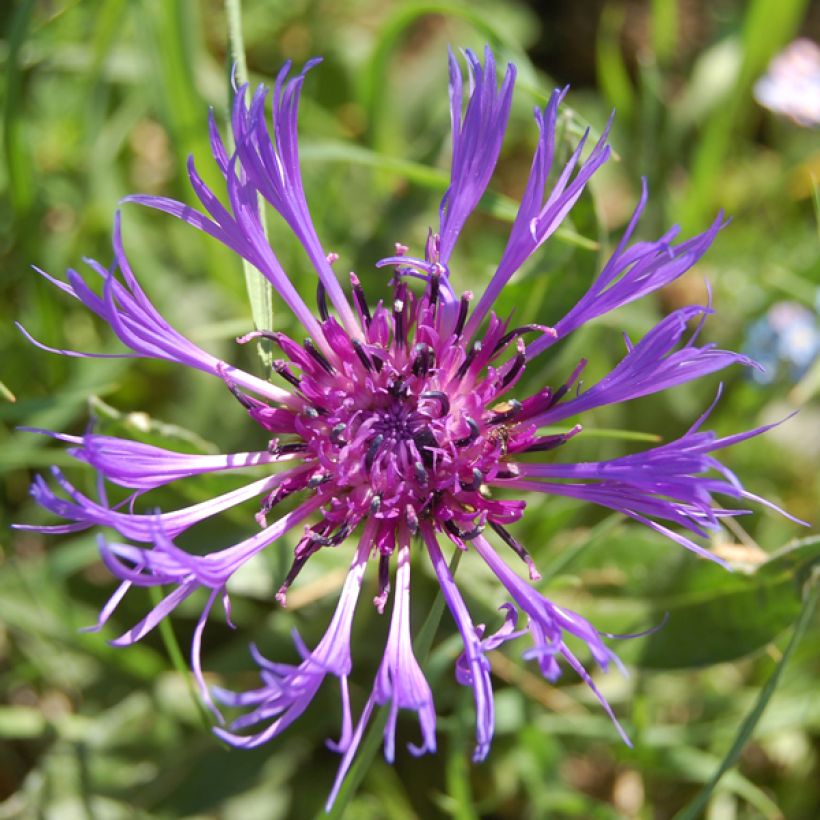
548 625
288 690
538 218
475 660
270 161
477 138
651 366
632 273
141 527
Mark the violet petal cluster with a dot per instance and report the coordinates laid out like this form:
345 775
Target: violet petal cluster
399 423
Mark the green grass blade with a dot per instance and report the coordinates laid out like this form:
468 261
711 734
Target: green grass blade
18 160
696 807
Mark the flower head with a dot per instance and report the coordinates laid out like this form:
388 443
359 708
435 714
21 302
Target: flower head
399 424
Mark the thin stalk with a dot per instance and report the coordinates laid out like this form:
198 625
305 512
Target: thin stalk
260 291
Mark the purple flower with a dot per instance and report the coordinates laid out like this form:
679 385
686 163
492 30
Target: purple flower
398 422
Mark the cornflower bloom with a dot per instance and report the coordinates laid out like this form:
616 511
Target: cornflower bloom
397 423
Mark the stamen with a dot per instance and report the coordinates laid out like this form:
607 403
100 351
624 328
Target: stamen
564 388
546 443
425 442
281 367
519 550
321 301
293 572
505 411
360 299
463 307
384 583
435 284
370 456
423 359
363 357
375 503
318 356
473 435
441 398
398 388
293 447
246 401
318 479
518 331
336 433
421 473
398 317
470 486
515 368
465 366
510 471
411 518
463 535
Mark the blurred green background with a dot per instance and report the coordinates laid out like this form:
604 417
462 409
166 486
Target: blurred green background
102 98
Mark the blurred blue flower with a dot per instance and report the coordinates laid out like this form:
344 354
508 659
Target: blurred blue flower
786 341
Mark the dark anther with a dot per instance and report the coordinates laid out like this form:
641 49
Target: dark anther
546 443
246 401
469 486
441 398
377 363
564 388
293 447
375 503
435 282
462 314
412 519
339 536
293 572
558 395
473 435
511 542
363 357
311 412
425 442
421 473
360 298
285 372
318 479
384 582
372 450
331 540
505 411
398 388
463 535
336 434
519 331
319 356
511 471
321 301
430 504
398 321
515 368
465 366
422 359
